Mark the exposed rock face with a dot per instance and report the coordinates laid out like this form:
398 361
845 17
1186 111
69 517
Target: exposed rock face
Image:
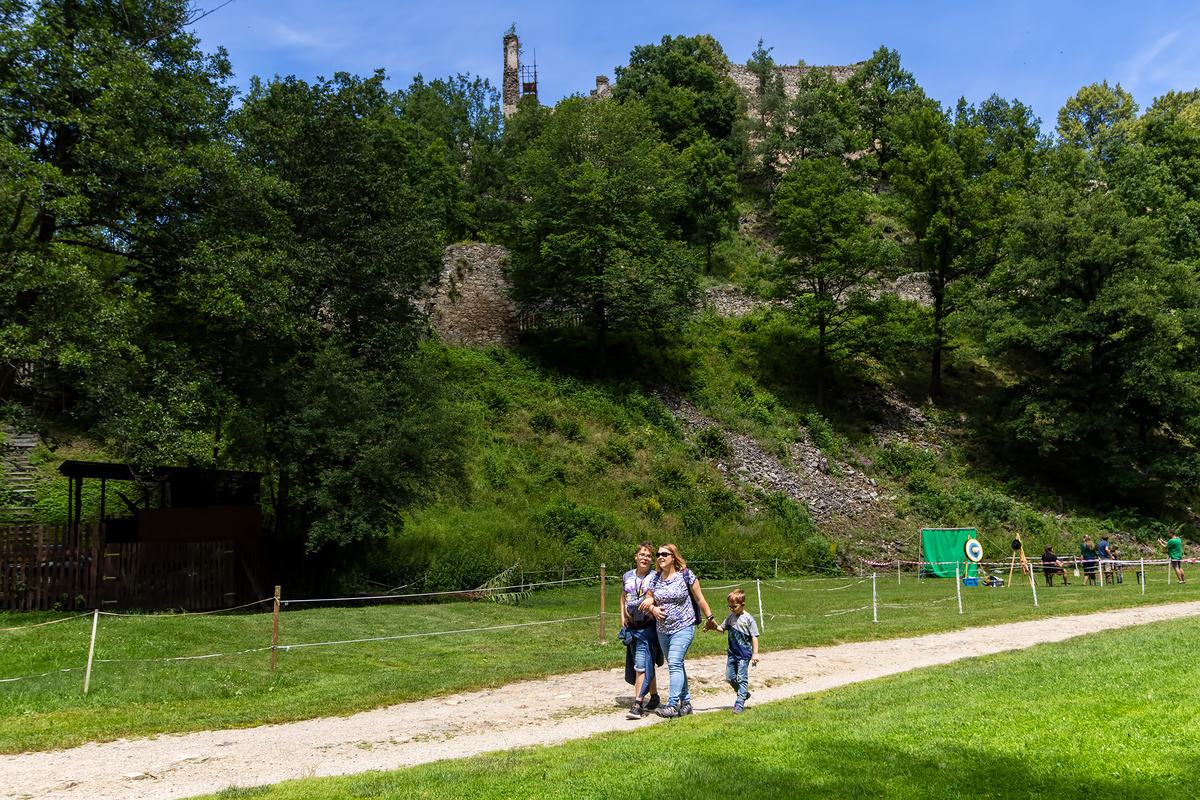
729 301
808 479
470 303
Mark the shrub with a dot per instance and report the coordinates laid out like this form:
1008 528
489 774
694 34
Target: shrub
904 459
572 430
671 475
617 452
460 565
652 508
711 442
821 431
724 503
655 412
543 422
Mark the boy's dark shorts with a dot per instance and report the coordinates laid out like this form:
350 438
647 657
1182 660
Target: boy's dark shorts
1177 563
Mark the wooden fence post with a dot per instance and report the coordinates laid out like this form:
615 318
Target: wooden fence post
275 631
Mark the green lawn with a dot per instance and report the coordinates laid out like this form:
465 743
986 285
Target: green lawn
133 697
1108 715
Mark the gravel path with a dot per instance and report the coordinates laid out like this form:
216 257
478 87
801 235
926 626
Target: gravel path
527 713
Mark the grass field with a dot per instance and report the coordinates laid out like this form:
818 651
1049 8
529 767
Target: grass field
132 695
1107 715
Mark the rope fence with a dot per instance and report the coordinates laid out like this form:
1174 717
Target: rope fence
782 601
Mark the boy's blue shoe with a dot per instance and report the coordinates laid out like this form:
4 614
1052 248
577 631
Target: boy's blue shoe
738 708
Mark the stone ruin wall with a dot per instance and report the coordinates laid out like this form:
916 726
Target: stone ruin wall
748 81
470 303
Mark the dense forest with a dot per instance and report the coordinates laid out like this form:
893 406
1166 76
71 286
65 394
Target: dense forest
190 276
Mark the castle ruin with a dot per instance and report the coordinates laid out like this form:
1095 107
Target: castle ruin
521 80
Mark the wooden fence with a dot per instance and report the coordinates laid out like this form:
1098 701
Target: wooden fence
45 567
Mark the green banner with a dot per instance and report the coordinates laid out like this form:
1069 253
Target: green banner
944 549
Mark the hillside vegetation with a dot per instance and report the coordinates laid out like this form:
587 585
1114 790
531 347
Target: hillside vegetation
189 280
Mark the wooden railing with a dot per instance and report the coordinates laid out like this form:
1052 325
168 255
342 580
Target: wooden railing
45 568
49 567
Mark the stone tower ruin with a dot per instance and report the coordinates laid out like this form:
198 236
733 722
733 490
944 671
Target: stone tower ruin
519 80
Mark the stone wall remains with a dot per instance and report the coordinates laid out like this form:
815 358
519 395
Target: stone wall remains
748 81
470 303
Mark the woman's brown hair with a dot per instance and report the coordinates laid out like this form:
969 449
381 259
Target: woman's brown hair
680 564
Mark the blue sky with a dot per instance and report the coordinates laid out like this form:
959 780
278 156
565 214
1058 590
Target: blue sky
1039 53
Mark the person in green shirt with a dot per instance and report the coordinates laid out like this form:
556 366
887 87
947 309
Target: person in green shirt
1174 547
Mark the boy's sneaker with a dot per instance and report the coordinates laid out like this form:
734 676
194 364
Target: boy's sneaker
654 702
635 712
738 708
669 712
685 709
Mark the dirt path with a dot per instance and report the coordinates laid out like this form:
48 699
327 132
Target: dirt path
531 712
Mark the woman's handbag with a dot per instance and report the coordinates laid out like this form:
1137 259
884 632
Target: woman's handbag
695 607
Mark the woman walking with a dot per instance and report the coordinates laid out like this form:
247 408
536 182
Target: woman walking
670 600
642 647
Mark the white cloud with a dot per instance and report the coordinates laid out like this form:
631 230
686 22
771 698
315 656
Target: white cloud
1170 62
289 37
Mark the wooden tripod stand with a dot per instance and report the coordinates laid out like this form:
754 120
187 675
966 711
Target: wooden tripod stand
1019 552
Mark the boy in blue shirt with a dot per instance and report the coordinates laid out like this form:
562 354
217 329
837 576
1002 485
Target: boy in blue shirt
743 647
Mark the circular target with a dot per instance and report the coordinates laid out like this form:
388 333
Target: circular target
974 550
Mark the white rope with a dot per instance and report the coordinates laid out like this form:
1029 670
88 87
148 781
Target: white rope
846 611
177 658
44 674
439 594
42 624
437 633
188 613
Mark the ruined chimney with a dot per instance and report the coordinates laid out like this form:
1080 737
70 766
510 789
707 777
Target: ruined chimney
511 87
602 89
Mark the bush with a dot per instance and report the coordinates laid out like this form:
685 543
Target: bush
904 459
821 431
725 504
617 452
581 528
652 409
572 430
543 422
496 399
711 442
460 565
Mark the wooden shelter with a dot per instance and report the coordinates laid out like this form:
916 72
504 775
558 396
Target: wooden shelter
153 538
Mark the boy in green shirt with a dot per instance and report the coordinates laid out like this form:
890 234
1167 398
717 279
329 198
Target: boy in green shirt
1174 547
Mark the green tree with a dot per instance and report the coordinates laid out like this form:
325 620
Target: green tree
464 113
110 151
685 84
767 123
597 237
312 321
883 91
1101 333
822 119
710 183
832 258
1096 118
954 203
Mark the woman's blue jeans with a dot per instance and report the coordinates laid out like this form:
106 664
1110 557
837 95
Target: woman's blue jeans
675 646
643 660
